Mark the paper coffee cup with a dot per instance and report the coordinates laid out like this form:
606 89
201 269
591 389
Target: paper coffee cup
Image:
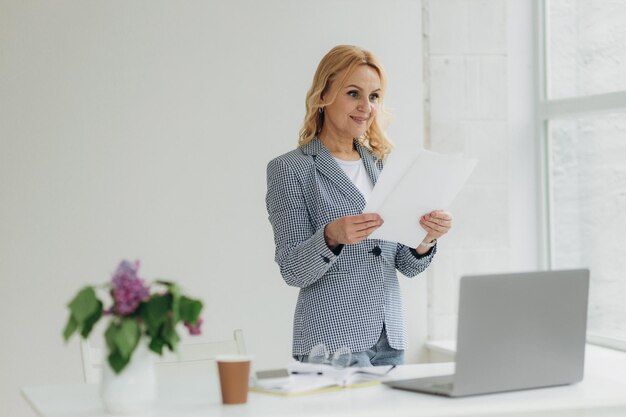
234 371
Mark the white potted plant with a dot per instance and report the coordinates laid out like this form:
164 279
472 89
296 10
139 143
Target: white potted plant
142 322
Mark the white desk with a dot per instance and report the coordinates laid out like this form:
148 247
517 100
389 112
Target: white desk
598 395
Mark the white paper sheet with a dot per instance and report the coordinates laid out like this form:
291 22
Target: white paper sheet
411 185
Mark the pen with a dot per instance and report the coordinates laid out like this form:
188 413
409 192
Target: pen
306 373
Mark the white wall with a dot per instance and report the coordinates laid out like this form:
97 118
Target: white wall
142 130
479 91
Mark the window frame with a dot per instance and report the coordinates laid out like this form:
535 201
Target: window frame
549 109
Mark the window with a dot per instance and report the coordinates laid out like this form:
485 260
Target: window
586 47
582 117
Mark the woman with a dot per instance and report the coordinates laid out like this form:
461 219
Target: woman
349 293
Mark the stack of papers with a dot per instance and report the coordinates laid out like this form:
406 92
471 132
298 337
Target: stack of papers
303 378
411 185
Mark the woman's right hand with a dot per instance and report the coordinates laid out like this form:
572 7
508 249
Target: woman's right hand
351 229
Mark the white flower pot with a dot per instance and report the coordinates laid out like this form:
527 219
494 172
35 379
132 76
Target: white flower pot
133 390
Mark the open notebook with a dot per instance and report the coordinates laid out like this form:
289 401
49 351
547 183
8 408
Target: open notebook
303 378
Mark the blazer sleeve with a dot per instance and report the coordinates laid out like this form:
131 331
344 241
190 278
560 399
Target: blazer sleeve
410 263
301 251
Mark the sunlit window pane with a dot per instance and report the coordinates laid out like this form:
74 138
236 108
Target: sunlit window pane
588 188
586 42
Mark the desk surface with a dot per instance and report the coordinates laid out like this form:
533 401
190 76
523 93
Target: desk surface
598 395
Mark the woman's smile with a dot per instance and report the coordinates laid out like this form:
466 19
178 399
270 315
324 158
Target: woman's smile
359 120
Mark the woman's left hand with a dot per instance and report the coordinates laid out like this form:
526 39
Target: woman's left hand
436 223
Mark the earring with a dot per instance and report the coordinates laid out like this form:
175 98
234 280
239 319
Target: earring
321 110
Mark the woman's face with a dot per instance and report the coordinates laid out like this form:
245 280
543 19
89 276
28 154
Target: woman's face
355 106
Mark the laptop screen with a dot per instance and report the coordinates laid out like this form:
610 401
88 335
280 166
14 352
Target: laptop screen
521 330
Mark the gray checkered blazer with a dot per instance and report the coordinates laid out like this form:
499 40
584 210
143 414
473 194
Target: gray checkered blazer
344 299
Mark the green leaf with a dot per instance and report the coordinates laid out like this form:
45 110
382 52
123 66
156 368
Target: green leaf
156 345
190 309
127 337
110 334
91 321
84 305
154 312
117 361
175 292
70 328
85 311
122 337
169 335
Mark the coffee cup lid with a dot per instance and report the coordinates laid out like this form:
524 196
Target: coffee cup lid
233 358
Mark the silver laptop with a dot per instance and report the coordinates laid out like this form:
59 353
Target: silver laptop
515 331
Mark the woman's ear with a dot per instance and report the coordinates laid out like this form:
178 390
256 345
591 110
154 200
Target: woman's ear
326 88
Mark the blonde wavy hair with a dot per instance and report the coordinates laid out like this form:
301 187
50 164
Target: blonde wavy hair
338 59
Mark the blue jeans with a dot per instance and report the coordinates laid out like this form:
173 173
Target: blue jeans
379 354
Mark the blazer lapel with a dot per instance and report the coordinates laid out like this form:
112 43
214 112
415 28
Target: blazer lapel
368 161
327 166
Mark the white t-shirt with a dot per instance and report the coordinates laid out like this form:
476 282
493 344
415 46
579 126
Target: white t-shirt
355 170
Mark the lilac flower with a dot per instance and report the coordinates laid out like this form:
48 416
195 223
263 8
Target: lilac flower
194 329
128 289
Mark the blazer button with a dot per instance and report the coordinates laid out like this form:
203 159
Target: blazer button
325 259
376 251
